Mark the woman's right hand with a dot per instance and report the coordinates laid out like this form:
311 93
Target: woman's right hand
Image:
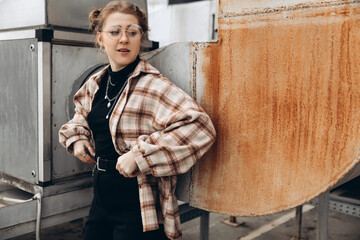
84 151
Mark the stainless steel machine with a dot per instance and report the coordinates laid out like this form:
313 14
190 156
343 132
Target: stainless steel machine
46 52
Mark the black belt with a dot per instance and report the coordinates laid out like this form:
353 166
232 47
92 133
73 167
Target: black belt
105 165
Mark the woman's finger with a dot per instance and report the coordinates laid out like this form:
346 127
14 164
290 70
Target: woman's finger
88 153
89 159
84 151
90 149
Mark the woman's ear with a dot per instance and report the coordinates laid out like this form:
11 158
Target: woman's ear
99 38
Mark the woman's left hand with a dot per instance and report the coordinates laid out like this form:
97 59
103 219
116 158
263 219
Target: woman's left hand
127 166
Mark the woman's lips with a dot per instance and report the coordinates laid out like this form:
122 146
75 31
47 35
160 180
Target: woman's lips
124 51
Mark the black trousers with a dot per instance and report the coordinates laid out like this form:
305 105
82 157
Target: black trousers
115 211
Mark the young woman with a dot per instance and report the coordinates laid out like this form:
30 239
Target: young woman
144 129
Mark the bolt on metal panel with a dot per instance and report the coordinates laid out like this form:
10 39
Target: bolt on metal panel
282 89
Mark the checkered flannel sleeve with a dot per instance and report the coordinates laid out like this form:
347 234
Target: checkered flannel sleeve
187 134
77 128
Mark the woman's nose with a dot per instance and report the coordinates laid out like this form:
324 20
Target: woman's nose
124 37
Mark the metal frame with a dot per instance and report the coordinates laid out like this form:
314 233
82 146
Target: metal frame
72 207
13 35
322 216
44 111
51 13
325 202
59 36
188 213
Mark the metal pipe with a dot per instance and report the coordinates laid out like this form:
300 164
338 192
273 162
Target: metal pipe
14 200
38 214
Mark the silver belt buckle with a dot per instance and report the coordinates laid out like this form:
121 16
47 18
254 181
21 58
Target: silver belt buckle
97 165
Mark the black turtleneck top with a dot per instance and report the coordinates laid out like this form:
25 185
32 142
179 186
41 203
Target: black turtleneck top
97 120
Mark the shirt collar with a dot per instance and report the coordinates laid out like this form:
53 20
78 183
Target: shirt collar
143 66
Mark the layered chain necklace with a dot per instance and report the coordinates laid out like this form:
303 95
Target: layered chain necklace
115 98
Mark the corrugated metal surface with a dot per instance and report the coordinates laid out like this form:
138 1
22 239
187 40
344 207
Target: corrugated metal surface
283 90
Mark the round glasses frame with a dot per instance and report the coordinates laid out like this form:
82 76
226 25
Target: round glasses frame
134 31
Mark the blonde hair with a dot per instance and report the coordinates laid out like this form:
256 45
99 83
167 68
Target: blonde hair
97 17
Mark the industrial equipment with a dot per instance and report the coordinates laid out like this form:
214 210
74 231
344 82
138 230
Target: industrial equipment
280 83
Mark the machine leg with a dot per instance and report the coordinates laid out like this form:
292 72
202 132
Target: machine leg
232 221
204 226
322 219
298 221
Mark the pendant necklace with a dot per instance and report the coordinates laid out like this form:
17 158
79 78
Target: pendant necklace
108 105
112 84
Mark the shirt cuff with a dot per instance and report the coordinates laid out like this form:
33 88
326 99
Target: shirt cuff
70 141
142 162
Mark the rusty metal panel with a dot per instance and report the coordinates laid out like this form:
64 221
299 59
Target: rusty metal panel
244 7
283 91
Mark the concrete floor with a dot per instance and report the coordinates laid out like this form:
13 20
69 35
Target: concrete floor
341 227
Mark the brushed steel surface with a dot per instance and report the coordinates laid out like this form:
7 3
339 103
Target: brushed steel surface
174 62
68 63
51 13
22 13
74 14
18 109
16 35
44 111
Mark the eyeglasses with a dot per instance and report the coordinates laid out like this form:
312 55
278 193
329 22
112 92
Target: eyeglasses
134 31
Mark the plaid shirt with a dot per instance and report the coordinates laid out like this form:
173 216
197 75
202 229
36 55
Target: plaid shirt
163 126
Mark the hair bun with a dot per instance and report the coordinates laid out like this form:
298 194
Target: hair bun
93 17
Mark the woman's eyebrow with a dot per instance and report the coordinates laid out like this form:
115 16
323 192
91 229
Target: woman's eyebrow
119 26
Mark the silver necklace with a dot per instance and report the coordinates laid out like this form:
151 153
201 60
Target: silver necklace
112 84
108 105
107 91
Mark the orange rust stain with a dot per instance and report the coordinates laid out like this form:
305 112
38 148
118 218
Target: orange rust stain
285 100
235 7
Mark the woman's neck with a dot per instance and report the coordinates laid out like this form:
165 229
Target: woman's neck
125 71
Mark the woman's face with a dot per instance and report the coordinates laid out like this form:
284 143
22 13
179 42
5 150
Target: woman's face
122 48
